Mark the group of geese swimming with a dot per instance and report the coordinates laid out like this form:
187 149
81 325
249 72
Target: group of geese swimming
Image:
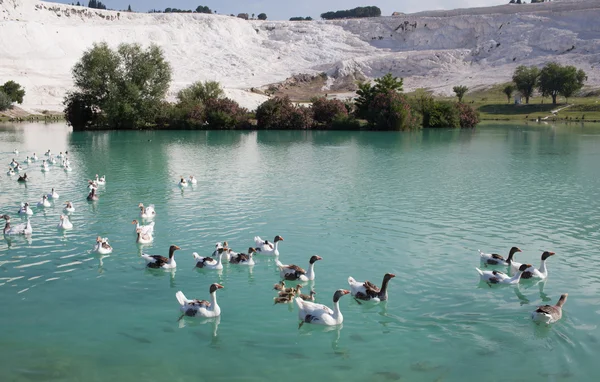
14 167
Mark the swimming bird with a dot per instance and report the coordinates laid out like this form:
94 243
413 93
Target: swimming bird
283 299
143 238
549 314
53 195
294 272
183 182
200 308
69 207
279 286
45 167
309 297
495 259
13 163
193 180
313 313
209 262
92 196
368 291
25 210
65 223
290 291
100 181
533 272
146 229
67 167
243 258
10 171
264 247
147 212
156 261
27 160
23 178
102 247
34 157
16 151
44 202
497 277
19 229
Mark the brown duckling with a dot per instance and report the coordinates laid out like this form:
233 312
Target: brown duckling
310 297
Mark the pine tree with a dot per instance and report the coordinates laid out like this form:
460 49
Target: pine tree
129 8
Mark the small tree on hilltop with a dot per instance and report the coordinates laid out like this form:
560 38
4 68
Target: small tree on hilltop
556 79
14 91
509 90
262 16
525 79
460 91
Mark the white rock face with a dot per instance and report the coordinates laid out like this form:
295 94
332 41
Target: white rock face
41 41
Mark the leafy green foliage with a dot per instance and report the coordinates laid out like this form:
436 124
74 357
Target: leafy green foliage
300 18
262 16
200 92
14 91
280 113
525 79
390 111
96 4
224 113
556 79
369 11
508 90
203 9
5 101
460 92
367 92
325 111
468 116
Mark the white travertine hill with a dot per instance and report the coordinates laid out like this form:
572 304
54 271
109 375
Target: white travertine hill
41 41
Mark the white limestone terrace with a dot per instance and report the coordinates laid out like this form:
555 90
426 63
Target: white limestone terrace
41 41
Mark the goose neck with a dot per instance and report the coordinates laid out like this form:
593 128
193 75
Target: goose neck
384 285
311 271
543 268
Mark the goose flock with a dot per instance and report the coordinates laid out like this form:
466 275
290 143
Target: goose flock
291 276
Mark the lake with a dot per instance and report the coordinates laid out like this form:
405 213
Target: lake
416 204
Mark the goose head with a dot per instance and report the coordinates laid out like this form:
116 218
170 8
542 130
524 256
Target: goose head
547 254
339 294
251 251
562 299
523 267
214 287
389 276
172 250
314 259
135 221
277 238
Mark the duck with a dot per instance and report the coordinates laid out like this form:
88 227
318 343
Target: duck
13 163
51 160
283 299
69 207
92 184
146 229
53 195
92 196
67 168
65 223
309 297
143 238
27 160
48 153
200 308
549 314
183 182
25 210
193 180
45 167
497 277
156 261
294 272
60 155
313 313
10 171
209 262
102 247
279 286
19 229
16 151
264 247
44 202
34 157
368 291
541 273
495 259
100 181
290 291
23 178
18 168
147 212
243 258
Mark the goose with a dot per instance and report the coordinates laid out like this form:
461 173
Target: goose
51 160
102 247
92 196
92 184
549 314
183 182
200 308
243 258
68 168
309 297
290 291
69 207
44 202
65 223
146 229
294 272
147 212
143 238
495 259
23 178
264 247
193 180
313 313
10 171
283 299
27 160
18 168
53 195
279 286
100 181
13 163
497 277
209 262
19 229
16 151
45 167
60 155
48 153
25 210
541 273
368 291
156 261
34 157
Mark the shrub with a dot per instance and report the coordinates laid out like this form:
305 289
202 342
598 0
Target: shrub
345 122
200 92
390 111
14 91
280 113
468 116
225 113
301 118
325 110
5 101
441 114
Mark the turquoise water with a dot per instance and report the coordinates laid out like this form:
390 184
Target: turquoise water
416 204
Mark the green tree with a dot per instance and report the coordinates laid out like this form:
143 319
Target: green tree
5 102
129 8
14 91
367 92
525 79
509 90
556 79
262 16
122 88
200 92
460 91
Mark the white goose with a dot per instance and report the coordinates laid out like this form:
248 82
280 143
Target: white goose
67 168
243 258
200 308
264 247
549 314
45 167
209 262
146 229
16 151
19 229
102 247
51 160
10 171
183 183
147 212
25 210
34 157
18 168
313 313
101 181
156 261
48 153
497 277
294 272
542 273
69 207
495 259
65 223
53 195
143 238
193 180
368 291
44 202
27 160
13 163
60 156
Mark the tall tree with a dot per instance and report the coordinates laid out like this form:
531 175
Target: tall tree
129 8
262 16
556 79
14 91
525 79
460 92
508 90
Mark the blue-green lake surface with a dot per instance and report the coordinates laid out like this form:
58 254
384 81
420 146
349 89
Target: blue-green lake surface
417 204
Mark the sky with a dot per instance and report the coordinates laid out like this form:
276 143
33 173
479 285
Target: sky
283 10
